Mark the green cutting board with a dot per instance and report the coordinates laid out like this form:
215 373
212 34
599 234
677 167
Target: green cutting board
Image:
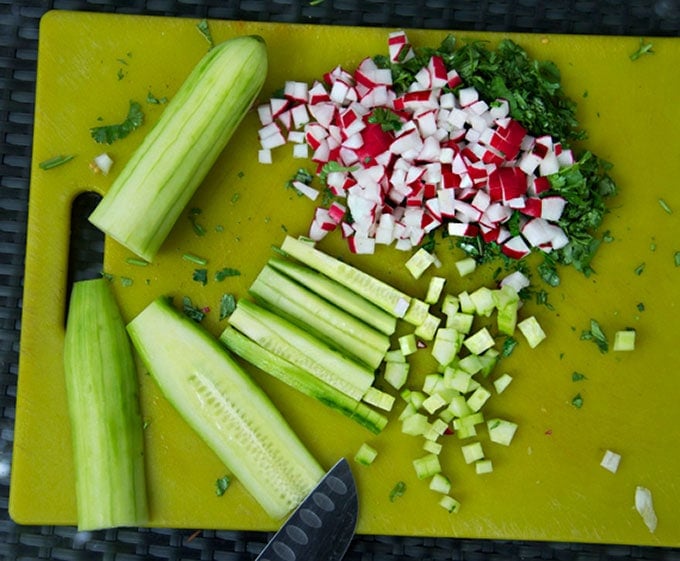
548 485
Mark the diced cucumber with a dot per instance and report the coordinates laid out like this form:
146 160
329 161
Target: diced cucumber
467 306
501 431
148 196
417 312
488 360
415 424
479 342
383 295
624 340
338 294
299 347
432 447
478 398
532 331
437 428
433 383
449 504
507 303
470 363
447 344
449 305
434 290
419 262
440 484
379 399
333 325
483 300
395 355
225 407
483 466
366 455
302 380
396 374
408 344
472 452
428 328
104 414
433 403
502 382
465 266
460 321
427 466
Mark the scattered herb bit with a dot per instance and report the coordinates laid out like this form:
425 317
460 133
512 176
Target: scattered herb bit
192 311
596 335
199 230
607 237
577 376
652 246
226 272
136 262
108 134
221 485
145 424
153 100
240 174
227 305
200 275
639 269
219 228
664 205
235 197
107 276
508 346
585 93
301 175
643 49
640 307
126 281
330 167
386 118
548 272
194 259
577 401
204 29
120 74
54 162
542 299
676 258
397 491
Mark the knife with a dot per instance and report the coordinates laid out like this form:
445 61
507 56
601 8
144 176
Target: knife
322 526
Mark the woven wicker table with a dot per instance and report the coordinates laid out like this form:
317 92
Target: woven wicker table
18 55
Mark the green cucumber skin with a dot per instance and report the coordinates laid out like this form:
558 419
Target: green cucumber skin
146 199
225 407
103 404
302 380
307 310
338 294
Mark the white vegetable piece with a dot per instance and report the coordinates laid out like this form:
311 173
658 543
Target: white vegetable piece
645 506
610 461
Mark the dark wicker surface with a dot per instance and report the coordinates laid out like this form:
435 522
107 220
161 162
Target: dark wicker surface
18 54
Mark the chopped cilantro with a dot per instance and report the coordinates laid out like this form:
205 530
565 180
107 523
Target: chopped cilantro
221 485
301 175
386 118
397 491
199 230
192 311
643 49
55 162
607 237
542 298
226 272
126 281
332 166
639 269
200 275
108 134
548 272
577 376
577 401
120 74
665 206
235 197
204 29
227 305
640 306
676 258
596 335
508 346
153 100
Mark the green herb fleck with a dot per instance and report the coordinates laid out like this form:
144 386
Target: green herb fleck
676 258
643 49
194 259
596 335
235 197
126 281
508 346
226 272
397 491
577 376
548 272
200 275
542 299
227 305
204 29
153 100
332 166
301 175
54 162
639 269
221 485
577 401
108 134
145 424
192 311
194 213
640 306
607 237
664 205
136 262
386 118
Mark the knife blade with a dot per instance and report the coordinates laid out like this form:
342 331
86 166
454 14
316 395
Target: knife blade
323 524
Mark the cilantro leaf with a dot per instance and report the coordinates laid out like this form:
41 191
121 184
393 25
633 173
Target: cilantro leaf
226 272
386 118
108 134
596 334
221 485
227 306
643 49
192 311
204 29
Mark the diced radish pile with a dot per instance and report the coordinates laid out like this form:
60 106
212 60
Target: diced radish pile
456 161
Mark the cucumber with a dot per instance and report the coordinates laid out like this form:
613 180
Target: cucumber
294 344
302 380
225 407
338 294
307 310
386 297
103 406
145 200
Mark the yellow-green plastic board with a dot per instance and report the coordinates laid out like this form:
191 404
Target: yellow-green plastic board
548 485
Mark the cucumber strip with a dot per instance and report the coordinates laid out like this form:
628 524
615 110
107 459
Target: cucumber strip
301 380
383 295
103 406
306 351
307 310
338 294
225 407
162 175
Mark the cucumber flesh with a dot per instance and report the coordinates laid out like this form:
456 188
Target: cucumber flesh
302 380
225 407
103 405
